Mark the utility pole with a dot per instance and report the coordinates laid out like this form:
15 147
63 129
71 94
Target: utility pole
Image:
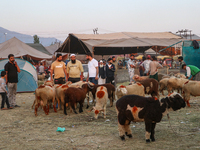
95 31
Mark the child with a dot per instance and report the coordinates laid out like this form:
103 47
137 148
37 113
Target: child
3 92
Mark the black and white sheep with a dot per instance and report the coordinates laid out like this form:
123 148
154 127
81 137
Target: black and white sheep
148 109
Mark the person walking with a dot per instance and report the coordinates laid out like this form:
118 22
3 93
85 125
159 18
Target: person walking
74 69
102 73
3 92
93 70
153 68
110 72
192 70
145 65
41 69
141 68
131 67
12 69
58 68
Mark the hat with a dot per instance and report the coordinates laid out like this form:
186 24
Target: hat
72 55
100 61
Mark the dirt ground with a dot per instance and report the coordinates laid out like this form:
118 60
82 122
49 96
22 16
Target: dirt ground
21 130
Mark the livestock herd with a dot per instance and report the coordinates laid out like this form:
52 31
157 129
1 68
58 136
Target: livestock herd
131 104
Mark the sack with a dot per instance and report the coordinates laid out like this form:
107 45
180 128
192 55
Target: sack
59 81
195 44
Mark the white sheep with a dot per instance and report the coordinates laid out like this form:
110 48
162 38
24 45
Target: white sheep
136 89
101 101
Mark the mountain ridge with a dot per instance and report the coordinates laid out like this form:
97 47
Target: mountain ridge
45 41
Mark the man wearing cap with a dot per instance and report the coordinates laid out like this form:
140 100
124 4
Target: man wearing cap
74 69
93 70
102 73
145 65
58 68
192 70
131 67
110 70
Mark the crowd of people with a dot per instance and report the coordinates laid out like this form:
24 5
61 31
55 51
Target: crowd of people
98 73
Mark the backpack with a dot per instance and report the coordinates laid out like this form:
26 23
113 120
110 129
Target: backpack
195 44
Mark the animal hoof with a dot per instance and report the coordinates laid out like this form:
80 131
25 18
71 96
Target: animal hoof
122 138
148 141
129 135
87 106
153 139
75 112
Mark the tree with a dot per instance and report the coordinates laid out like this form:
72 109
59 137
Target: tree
36 39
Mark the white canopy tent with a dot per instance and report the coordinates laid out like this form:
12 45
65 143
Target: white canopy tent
18 48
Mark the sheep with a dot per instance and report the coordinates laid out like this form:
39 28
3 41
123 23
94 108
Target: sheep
76 95
137 89
190 88
150 86
60 94
49 83
110 89
148 109
44 94
41 77
175 83
138 78
101 101
163 84
178 75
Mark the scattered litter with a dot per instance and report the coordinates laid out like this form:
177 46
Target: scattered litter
59 129
91 101
107 120
73 126
133 126
182 122
187 113
23 102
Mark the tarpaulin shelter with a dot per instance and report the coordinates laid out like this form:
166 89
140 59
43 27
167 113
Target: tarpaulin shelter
18 48
116 43
27 78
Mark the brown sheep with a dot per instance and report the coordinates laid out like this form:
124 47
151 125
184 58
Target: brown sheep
150 86
76 95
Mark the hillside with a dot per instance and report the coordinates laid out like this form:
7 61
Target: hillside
24 38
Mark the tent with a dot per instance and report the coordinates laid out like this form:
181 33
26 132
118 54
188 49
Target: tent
18 48
116 43
52 48
27 78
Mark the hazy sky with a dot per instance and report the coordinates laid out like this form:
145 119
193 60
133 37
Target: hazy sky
57 18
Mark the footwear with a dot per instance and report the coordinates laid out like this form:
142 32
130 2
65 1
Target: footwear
17 106
10 107
4 108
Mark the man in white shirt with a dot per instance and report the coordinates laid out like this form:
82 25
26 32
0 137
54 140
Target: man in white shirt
145 65
131 67
93 69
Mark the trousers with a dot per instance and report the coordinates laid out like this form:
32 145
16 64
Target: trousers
12 91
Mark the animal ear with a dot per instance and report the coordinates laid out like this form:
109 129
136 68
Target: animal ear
90 86
151 84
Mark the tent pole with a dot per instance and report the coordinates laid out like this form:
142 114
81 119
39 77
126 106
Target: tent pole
93 52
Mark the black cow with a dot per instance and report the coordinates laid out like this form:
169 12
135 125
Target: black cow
148 109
